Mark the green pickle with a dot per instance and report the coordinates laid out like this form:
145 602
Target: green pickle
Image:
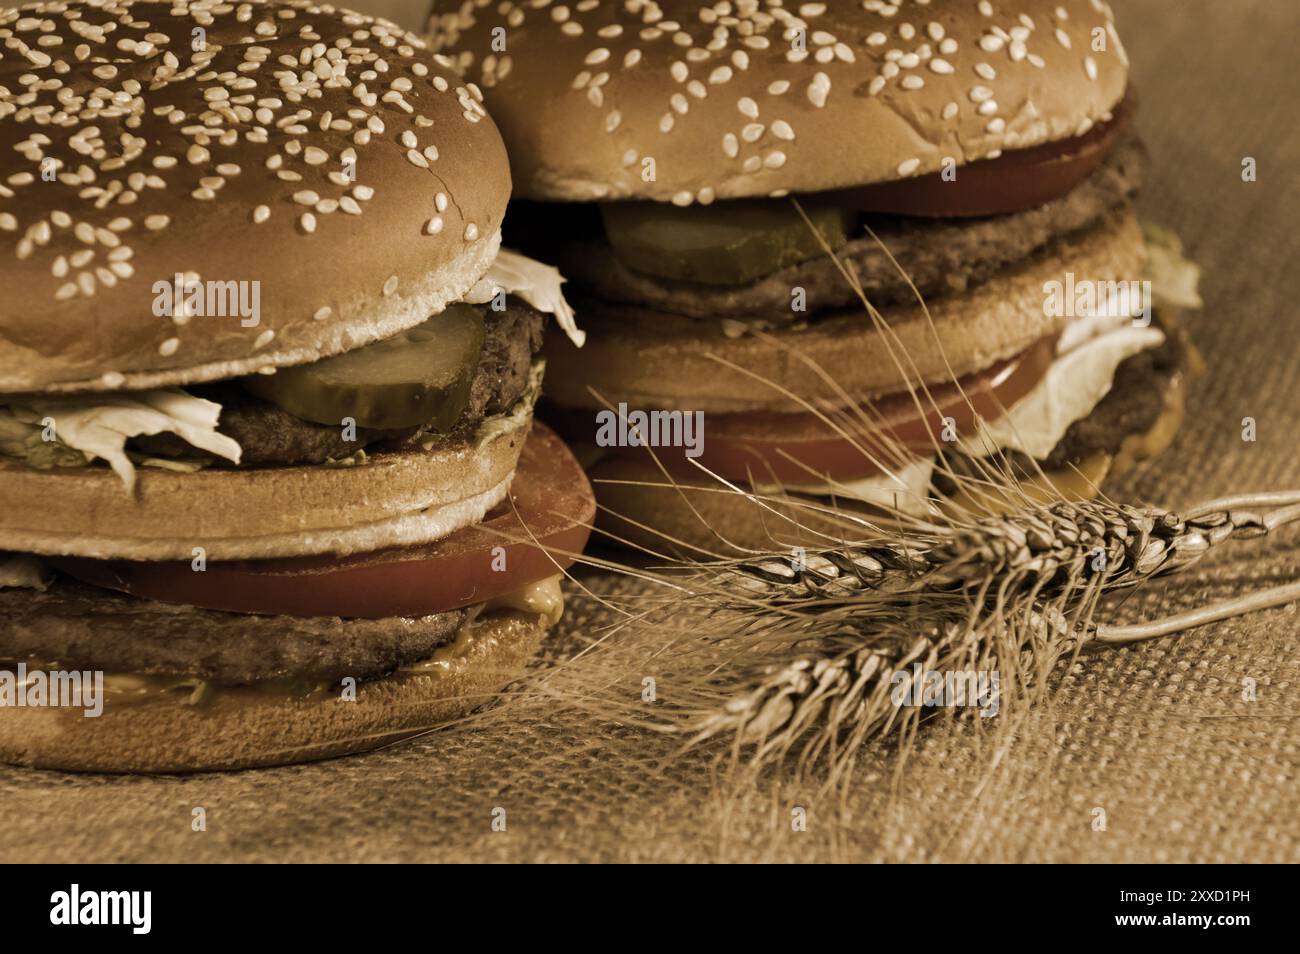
420 377
733 242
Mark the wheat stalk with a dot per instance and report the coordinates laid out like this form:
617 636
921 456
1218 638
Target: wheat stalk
1052 548
1014 592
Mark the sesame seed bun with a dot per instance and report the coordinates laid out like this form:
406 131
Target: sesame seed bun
246 728
765 99
395 499
319 153
652 359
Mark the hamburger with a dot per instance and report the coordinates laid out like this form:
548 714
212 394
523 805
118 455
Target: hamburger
271 487
879 254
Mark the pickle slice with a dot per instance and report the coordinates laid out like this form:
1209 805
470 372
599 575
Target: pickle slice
422 376
728 243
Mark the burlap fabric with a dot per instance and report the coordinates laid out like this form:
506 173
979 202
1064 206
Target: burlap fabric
1156 735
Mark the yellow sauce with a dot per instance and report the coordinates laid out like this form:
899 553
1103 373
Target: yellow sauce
544 598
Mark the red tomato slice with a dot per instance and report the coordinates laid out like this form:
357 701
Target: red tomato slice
801 448
1014 181
552 505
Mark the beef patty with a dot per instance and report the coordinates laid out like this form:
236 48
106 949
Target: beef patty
86 627
940 256
272 437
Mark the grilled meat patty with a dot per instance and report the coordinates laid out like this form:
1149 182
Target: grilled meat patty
941 256
272 437
86 627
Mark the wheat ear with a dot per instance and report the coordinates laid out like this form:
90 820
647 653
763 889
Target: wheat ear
855 619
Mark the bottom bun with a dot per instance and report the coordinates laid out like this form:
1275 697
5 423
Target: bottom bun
244 727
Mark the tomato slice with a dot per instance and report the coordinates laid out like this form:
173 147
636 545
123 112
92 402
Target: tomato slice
1016 180
543 532
802 447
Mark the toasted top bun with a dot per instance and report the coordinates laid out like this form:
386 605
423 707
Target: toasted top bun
320 153
685 101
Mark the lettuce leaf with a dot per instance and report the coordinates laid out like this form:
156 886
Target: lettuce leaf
535 283
87 427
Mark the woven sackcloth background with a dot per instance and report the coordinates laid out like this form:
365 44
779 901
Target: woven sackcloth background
1156 735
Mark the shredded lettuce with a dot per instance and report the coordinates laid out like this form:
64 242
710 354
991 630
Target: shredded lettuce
86 427
535 283
1174 277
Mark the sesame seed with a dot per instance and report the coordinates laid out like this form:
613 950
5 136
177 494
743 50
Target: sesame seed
168 347
908 166
471 232
261 213
819 89
308 222
322 313
390 285
434 225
